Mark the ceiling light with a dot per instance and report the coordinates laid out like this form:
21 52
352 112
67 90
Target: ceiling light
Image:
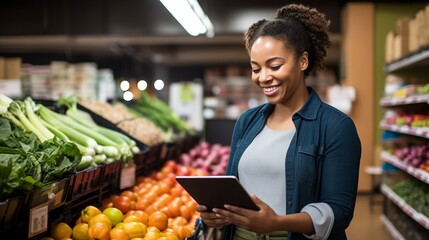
190 15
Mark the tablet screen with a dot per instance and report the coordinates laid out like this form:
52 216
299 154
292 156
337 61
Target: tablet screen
216 191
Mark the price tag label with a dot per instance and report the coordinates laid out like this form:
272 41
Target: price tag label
38 221
128 176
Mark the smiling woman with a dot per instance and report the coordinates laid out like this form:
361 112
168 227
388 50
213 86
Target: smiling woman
307 151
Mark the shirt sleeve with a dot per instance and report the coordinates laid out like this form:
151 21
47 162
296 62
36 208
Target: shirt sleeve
322 216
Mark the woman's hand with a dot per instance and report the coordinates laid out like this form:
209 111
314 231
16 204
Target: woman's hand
211 219
262 221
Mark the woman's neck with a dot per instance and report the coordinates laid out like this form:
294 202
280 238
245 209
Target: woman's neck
281 117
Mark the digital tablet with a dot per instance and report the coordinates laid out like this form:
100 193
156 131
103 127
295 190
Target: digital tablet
216 191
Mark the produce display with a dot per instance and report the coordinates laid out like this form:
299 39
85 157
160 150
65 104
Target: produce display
111 223
212 158
115 112
140 127
27 163
409 119
415 193
411 90
41 143
416 156
161 114
408 228
156 207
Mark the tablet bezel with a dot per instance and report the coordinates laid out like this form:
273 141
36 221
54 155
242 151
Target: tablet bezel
216 191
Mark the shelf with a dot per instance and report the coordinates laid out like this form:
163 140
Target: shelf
391 228
415 172
420 132
395 101
417 59
418 217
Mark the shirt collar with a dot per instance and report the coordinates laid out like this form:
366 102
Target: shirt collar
308 111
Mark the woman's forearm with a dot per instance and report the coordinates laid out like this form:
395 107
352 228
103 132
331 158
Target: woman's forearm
297 222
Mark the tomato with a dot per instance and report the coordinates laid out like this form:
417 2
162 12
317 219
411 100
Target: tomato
159 220
115 215
135 229
118 234
122 203
89 212
129 194
99 231
100 218
80 231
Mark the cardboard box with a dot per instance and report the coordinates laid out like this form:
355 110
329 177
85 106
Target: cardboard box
420 28
412 42
390 37
13 68
402 29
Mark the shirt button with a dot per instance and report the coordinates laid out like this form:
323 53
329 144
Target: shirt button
289 204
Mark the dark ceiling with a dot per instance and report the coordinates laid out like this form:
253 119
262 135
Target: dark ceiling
140 30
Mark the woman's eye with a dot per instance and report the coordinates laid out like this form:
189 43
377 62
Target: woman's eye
256 70
275 67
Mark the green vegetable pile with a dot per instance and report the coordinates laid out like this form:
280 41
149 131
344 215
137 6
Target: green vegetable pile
160 114
415 193
26 162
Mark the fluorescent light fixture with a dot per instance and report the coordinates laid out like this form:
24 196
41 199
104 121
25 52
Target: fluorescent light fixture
190 15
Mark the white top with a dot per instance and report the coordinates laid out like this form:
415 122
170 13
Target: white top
262 167
262 171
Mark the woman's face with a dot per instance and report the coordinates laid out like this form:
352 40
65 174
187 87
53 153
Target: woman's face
276 70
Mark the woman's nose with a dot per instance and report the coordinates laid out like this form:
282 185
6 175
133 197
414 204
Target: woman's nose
264 76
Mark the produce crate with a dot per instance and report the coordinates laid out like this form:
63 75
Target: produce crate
110 180
85 182
10 212
54 193
153 159
172 151
199 232
140 162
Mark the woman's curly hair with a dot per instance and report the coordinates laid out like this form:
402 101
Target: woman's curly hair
301 28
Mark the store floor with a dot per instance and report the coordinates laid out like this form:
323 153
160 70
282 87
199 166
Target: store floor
366 224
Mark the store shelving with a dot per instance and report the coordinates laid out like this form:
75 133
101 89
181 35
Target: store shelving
415 172
419 132
395 205
410 211
396 101
391 228
413 60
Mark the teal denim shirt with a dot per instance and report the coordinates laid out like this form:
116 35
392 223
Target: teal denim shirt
322 162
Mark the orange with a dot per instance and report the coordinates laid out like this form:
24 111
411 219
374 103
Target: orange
100 218
61 230
99 231
135 229
80 231
118 234
159 220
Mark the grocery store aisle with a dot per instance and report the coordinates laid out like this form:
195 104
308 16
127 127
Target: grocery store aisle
367 224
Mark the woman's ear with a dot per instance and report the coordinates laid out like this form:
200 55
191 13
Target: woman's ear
303 60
